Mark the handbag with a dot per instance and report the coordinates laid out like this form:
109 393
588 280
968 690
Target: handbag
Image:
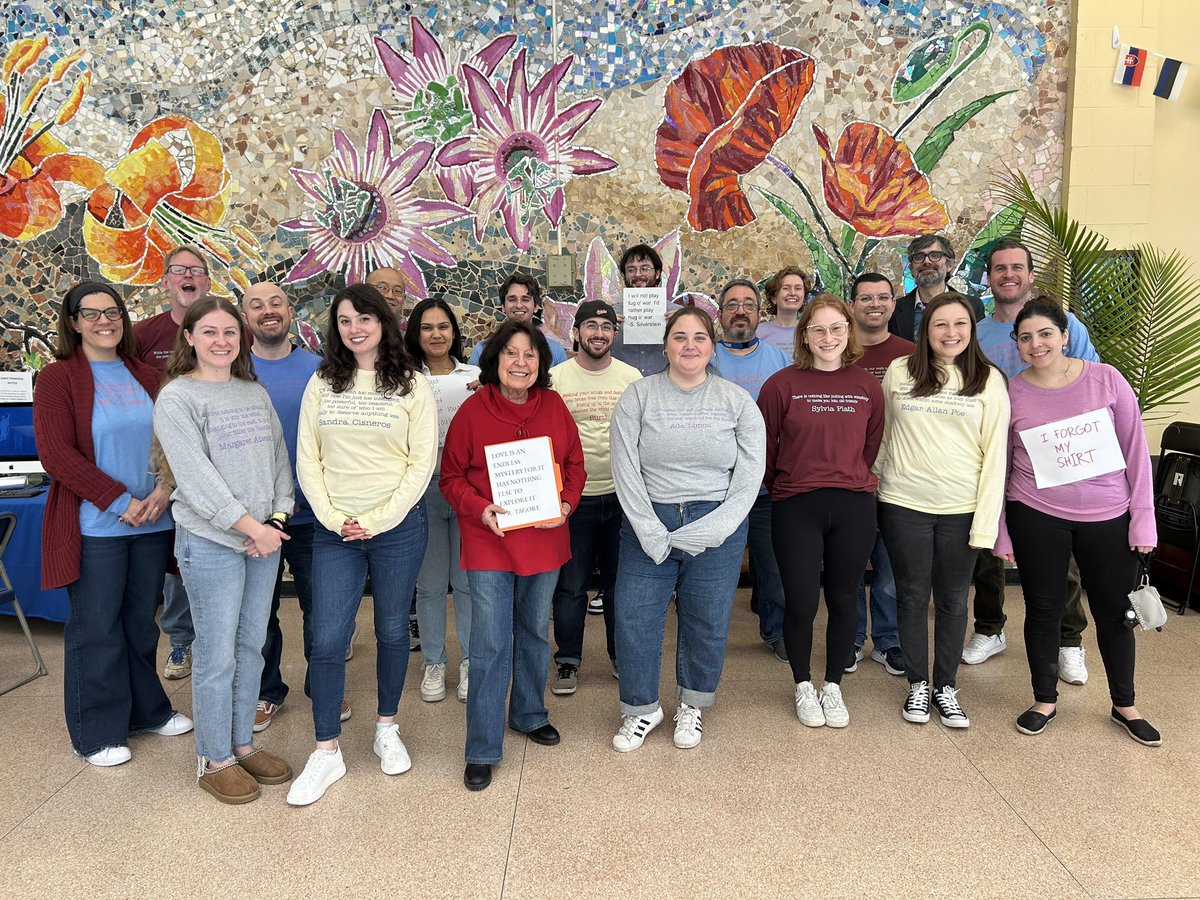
1145 600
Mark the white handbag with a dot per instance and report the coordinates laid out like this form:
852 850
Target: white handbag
1146 602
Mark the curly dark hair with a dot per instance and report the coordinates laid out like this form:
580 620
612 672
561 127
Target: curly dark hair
412 334
489 360
928 377
394 370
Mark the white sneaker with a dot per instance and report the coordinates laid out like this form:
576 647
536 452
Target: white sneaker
688 729
982 647
177 724
808 707
109 756
323 768
393 755
634 729
464 671
834 707
433 685
1071 668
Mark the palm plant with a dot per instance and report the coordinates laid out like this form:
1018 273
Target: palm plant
1141 305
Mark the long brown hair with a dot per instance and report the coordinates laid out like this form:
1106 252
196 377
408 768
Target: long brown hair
927 376
803 353
394 367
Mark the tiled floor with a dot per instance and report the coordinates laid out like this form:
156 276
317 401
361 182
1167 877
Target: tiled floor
763 808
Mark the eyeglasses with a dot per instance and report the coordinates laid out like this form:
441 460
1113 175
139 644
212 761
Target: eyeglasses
603 327
194 271
644 269
934 256
736 305
837 329
92 315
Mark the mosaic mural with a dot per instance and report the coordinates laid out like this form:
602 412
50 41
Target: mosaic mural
311 143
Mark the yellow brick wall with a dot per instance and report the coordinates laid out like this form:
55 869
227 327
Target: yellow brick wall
1131 158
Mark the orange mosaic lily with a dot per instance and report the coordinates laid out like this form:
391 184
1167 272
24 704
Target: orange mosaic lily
32 160
145 207
873 185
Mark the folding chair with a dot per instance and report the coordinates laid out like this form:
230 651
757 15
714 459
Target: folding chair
8 524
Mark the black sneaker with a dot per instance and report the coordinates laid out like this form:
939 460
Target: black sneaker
891 659
855 659
1139 729
567 679
916 707
951 714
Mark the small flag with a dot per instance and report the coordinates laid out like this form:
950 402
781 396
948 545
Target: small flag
1170 79
1131 63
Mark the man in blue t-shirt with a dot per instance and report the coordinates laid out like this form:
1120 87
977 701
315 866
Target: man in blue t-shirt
1011 276
284 369
746 361
521 298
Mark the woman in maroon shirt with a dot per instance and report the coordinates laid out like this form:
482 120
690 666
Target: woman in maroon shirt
824 420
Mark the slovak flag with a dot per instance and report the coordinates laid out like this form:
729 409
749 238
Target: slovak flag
1131 64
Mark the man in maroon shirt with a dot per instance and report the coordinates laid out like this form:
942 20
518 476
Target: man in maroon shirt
872 302
185 279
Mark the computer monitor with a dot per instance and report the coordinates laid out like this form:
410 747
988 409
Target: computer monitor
18 449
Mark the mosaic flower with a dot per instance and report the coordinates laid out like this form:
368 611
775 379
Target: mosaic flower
873 185
160 195
520 155
32 160
724 114
362 213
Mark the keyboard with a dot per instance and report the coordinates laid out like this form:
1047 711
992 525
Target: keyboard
15 493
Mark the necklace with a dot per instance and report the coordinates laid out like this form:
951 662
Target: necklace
1065 375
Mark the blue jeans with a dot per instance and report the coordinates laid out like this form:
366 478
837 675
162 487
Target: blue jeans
884 633
110 679
297 553
176 618
771 602
340 570
231 601
510 638
703 585
595 539
442 567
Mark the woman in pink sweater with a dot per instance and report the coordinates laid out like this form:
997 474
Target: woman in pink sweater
1079 483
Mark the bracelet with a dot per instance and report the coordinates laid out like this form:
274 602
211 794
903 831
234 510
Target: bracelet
277 524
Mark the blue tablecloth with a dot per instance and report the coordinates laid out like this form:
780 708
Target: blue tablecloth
23 560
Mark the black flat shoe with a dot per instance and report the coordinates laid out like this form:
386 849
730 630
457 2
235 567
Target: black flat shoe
1139 729
1033 722
477 776
547 735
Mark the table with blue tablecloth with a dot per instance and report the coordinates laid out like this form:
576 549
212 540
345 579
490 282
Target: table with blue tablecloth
23 560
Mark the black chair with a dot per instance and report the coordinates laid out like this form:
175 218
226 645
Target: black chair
8 524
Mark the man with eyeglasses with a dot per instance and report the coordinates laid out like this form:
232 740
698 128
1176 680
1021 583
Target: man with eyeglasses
185 279
872 304
748 362
1011 278
590 384
390 283
930 259
641 267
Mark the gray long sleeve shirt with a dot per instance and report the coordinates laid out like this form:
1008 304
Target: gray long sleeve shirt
671 445
226 449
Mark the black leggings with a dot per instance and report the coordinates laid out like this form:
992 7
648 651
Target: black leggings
1042 546
836 527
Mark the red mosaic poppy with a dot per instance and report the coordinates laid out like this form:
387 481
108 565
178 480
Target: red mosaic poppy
724 114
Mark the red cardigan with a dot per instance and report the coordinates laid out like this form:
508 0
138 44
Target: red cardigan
62 425
487 418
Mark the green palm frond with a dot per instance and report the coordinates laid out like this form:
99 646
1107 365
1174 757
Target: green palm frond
1141 305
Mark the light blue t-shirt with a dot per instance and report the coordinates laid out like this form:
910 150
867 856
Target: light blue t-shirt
777 336
285 380
997 343
749 371
557 353
122 429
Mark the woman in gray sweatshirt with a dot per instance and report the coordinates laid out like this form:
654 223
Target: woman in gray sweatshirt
688 452
224 449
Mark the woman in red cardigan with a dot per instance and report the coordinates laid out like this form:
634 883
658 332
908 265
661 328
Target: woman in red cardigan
106 535
512 574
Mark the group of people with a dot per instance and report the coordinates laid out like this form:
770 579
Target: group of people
911 437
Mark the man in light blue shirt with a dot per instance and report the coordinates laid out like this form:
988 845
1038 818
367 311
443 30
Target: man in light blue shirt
746 361
1010 276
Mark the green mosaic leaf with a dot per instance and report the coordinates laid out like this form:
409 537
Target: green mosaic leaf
924 66
826 266
942 136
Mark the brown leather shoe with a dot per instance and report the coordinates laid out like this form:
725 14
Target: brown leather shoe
265 768
230 784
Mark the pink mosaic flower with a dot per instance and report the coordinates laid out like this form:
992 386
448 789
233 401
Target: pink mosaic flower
520 156
362 213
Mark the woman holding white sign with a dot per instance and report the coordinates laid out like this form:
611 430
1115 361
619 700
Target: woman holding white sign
1079 483
512 572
